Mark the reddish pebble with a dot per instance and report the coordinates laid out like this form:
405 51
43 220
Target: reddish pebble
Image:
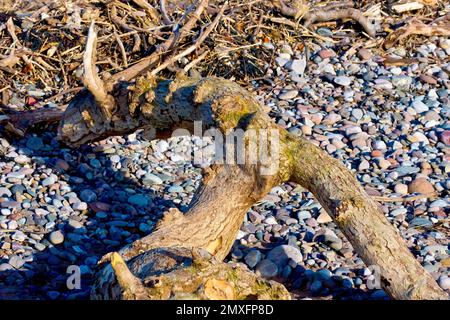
376 153
60 163
326 53
440 214
31 101
445 137
420 185
427 79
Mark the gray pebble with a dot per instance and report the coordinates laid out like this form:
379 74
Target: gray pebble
56 237
252 258
280 255
267 269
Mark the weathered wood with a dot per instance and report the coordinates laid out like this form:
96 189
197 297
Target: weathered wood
154 267
363 223
416 27
227 192
18 122
180 273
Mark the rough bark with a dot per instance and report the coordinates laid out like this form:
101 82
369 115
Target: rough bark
227 192
18 123
180 273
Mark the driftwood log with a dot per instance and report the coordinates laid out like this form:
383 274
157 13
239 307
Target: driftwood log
228 191
171 262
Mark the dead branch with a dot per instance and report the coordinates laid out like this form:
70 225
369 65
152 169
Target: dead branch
131 287
165 15
19 123
298 10
227 191
416 27
91 80
151 11
149 61
10 61
122 49
349 13
405 199
194 62
328 13
193 47
11 30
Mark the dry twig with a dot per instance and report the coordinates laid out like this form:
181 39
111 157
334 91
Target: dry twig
331 12
416 27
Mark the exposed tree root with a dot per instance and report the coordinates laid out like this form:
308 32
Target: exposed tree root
180 273
228 191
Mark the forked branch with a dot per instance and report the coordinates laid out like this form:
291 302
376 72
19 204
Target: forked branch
91 80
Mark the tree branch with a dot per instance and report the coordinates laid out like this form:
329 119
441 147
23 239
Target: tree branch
91 80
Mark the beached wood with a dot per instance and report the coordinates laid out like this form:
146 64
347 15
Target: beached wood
340 10
416 27
180 273
135 100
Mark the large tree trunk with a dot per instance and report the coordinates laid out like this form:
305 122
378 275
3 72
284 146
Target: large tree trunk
228 191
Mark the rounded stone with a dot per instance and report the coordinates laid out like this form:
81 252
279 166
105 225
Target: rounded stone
420 185
288 95
282 254
401 188
444 282
80 206
252 258
115 158
139 200
267 269
35 143
56 237
88 195
343 81
150 179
